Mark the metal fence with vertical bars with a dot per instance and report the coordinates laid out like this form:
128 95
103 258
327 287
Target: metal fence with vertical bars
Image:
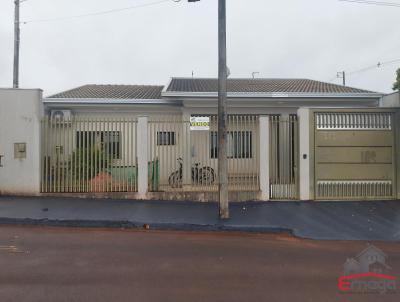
354 121
185 160
284 153
88 155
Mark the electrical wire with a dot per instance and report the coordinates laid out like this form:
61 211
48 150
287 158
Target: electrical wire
111 11
368 2
378 65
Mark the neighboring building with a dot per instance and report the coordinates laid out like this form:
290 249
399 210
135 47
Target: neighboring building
20 114
391 100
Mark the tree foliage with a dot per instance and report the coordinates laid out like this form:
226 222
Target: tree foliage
85 162
396 85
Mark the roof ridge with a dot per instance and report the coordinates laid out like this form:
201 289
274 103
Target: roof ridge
123 85
240 78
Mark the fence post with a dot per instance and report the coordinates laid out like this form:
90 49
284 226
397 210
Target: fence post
142 145
264 157
187 152
304 151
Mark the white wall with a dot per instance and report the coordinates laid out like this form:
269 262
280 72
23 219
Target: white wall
20 113
304 150
391 100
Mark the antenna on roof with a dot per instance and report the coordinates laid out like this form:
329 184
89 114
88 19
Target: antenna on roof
192 73
253 74
342 75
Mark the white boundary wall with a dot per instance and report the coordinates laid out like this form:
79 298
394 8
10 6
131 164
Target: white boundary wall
20 114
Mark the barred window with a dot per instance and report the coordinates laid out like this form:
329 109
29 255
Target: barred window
110 141
240 144
166 138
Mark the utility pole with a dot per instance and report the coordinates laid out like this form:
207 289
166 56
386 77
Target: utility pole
222 97
342 75
222 115
16 45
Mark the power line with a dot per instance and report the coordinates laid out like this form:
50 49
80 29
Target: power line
111 11
378 3
378 65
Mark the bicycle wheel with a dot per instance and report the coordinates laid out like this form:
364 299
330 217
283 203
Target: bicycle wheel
207 176
175 180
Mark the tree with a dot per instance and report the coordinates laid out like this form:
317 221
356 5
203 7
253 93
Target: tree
396 85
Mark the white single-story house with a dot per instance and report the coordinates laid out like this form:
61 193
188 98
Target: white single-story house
145 140
188 96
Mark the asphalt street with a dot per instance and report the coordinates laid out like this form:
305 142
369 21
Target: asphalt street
336 220
49 264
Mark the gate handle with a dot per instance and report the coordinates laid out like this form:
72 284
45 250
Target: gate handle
1 156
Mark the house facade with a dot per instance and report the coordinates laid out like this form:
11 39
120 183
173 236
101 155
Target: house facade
143 142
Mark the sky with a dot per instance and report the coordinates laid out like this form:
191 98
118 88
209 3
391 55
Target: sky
148 45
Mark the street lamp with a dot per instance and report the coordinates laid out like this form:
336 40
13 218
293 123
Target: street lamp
222 115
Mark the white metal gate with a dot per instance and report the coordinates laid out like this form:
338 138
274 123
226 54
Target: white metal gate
184 160
284 153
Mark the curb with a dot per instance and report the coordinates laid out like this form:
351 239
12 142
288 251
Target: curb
141 225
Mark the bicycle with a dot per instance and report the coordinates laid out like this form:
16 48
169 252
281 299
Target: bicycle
201 176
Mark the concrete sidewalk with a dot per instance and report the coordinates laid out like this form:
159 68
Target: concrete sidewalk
372 220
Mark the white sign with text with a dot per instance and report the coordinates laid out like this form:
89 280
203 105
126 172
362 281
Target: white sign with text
199 123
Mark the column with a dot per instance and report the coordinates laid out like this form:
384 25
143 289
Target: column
142 154
304 150
264 157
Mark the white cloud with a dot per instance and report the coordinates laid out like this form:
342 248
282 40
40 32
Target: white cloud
286 38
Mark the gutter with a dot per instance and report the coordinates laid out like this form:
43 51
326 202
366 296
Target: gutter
97 101
173 94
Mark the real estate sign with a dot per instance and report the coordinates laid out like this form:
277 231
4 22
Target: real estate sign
199 123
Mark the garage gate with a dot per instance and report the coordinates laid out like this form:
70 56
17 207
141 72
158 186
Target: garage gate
355 155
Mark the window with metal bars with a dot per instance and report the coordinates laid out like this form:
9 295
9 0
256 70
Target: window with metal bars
240 144
165 138
110 141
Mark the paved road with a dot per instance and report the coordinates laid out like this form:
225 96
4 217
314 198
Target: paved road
375 220
67 264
